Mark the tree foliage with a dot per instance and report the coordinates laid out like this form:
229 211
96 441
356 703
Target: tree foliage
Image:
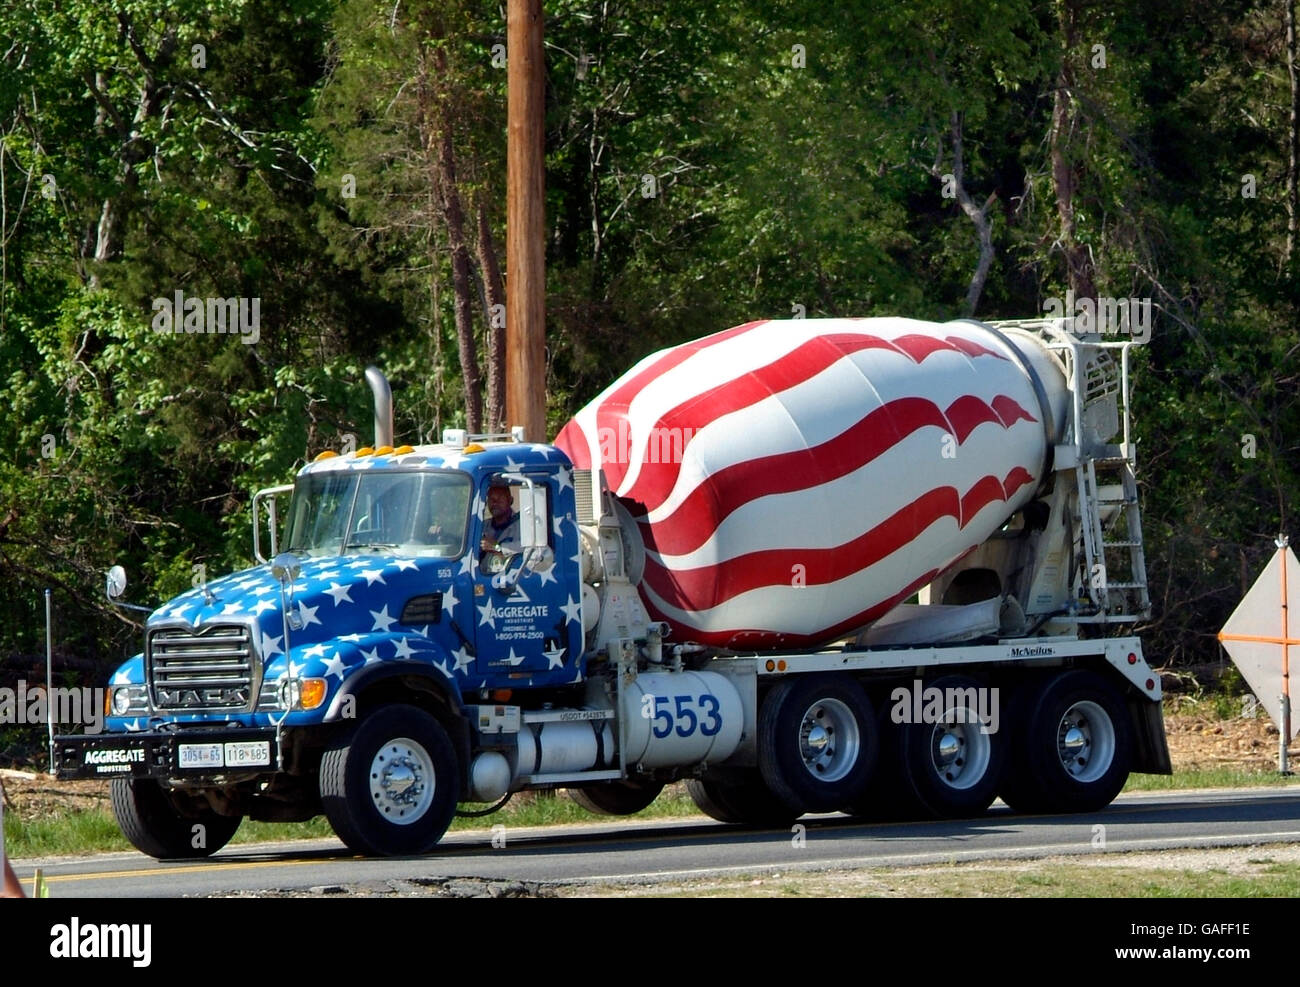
343 163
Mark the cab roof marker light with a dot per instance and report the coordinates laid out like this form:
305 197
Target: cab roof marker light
327 454
403 450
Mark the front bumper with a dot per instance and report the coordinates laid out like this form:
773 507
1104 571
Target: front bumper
173 754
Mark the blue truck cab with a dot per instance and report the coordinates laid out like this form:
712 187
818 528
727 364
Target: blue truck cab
392 613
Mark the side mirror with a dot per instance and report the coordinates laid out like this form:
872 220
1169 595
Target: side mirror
115 584
532 517
285 567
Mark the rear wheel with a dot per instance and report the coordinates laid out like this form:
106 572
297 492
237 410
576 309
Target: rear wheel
148 817
953 765
817 742
741 800
391 785
1073 746
616 798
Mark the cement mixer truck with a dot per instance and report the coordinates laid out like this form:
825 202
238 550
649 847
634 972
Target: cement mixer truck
880 567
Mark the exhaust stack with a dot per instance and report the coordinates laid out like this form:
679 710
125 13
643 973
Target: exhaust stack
383 406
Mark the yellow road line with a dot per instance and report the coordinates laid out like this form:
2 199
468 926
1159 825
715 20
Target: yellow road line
185 869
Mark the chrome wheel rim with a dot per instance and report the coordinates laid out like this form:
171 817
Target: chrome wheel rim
1085 741
960 749
829 740
402 781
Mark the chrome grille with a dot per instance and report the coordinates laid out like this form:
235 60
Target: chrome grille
205 668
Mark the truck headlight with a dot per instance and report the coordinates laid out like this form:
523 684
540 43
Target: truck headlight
126 699
299 694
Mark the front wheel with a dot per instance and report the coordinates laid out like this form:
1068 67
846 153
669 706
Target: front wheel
390 785
149 818
817 742
1073 746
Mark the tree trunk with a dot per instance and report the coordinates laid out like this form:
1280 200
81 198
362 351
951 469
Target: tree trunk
109 231
495 291
1080 275
978 215
445 158
1293 138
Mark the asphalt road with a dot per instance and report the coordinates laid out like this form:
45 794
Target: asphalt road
642 850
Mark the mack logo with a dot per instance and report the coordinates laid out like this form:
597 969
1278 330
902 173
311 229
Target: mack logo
202 697
114 757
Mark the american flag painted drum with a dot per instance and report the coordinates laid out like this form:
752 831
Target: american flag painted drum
794 480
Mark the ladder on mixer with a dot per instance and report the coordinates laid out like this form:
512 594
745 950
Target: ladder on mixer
1113 572
1114 576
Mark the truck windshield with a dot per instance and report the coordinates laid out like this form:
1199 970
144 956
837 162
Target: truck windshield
355 512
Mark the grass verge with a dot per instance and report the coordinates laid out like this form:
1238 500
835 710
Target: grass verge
1187 876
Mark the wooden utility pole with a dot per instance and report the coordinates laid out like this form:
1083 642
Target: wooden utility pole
525 220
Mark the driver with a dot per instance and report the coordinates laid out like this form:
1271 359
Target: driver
501 530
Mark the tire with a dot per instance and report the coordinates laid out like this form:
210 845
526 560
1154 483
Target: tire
148 818
390 786
1072 743
888 797
616 798
740 801
817 742
953 767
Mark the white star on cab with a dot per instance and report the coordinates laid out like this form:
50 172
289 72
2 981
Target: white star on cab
315 651
373 574
449 601
463 658
403 649
514 659
452 460
547 575
564 479
489 616
371 656
264 589
572 609
350 638
122 678
230 608
271 646
307 614
339 593
262 606
404 564
382 620
467 564
555 658
334 666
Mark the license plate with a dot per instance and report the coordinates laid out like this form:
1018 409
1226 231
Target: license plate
250 753
201 756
